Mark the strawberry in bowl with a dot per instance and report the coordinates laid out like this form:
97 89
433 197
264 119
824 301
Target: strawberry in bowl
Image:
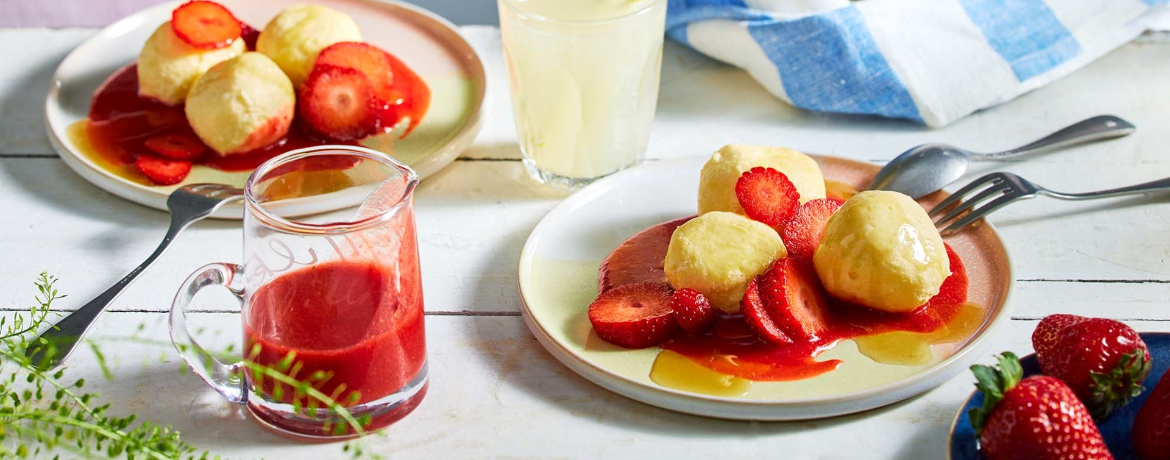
1033 418
1104 361
1151 428
1118 376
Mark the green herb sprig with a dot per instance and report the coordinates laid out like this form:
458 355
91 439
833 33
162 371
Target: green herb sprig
42 413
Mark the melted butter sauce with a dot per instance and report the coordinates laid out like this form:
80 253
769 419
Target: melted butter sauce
839 190
673 370
913 348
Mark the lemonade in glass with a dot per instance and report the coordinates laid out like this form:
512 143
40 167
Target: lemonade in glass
584 81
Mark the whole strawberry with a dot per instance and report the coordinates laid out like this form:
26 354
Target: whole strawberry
1102 360
1037 418
692 310
1151 428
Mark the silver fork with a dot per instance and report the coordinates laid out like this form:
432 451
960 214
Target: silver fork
188 204
1002 188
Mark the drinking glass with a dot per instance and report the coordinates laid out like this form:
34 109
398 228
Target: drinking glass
584 81
331 303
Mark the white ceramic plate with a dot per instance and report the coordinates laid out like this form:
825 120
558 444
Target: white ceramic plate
558 280
426 42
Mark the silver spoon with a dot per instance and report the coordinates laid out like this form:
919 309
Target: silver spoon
188 204
928 168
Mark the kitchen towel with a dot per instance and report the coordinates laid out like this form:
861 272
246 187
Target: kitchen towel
932 61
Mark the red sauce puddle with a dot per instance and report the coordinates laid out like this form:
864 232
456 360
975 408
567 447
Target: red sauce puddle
732 347
120 121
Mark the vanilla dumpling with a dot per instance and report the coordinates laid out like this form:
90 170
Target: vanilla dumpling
168 66
295 36
719 175
882 250
718 253
241 104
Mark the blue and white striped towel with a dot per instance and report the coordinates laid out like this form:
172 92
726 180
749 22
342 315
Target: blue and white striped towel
932 61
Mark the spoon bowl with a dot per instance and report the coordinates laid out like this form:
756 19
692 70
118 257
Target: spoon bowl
923 170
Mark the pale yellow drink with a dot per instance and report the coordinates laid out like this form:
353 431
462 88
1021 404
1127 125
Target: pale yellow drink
584 81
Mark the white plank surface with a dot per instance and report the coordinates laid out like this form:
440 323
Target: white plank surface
495 393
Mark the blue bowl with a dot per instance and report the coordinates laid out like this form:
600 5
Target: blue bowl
1116 429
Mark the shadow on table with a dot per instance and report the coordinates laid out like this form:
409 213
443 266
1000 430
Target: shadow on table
51 185
165 394
979 169
489 173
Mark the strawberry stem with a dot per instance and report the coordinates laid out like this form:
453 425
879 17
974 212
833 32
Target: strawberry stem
1113 389
994 382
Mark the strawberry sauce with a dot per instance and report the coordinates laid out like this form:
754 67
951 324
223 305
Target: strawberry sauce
354 321
414 96
120 121
733 348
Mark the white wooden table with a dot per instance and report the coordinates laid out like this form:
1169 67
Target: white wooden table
495 393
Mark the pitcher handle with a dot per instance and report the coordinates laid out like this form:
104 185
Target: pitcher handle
227 379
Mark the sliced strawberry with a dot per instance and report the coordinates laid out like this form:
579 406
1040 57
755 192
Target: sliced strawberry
633 315
206 25
692 310
176 146
162 171
756 315
249 35
767 196
794 299
803 232
336 102
368 59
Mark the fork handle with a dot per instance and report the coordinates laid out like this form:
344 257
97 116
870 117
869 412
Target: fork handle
1160 185
1093 129
66 334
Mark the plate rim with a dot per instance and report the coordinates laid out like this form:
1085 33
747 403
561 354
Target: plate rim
959 413
155 197
884 395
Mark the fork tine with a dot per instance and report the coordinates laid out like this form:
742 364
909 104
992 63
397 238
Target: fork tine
993 179
1000 188
981 212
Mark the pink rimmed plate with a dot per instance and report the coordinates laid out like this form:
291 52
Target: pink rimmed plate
426 42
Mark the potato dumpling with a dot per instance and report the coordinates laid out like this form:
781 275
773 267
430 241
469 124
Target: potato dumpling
719 175
168 66
881 250
294 37
241 104
718 253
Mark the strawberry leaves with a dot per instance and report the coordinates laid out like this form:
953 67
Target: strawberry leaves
994 382
1115 388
